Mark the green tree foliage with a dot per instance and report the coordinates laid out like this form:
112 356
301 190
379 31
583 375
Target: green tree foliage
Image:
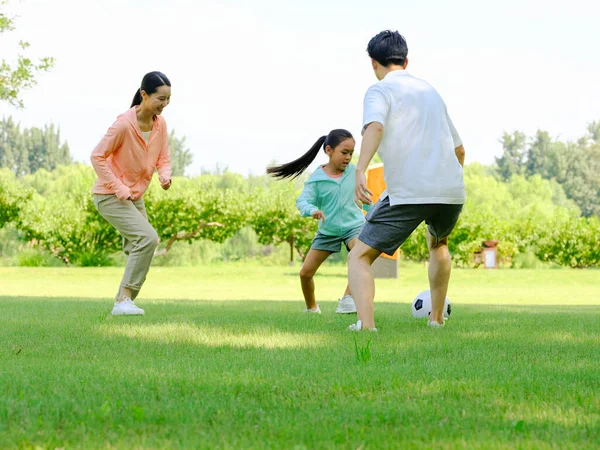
21 74
62 218
276 220
12 198
181 155
29 150
516 213
572 242
181 212
55 210
512 161
575 166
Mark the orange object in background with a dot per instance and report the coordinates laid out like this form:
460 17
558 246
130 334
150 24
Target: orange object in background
376 185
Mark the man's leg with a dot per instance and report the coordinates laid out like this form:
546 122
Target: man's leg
360 280
350 246
440 264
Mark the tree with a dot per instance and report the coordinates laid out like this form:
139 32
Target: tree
32 149
512 161
573 242
12 198
186 211
14 79
276 219
181 156
574 165
594 130
539 158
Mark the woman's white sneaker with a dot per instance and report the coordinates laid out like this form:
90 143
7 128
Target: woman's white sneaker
127 308
346 305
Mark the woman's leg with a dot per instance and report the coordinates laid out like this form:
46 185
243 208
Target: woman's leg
140 239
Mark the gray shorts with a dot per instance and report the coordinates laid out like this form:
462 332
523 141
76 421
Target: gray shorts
334 243
388 226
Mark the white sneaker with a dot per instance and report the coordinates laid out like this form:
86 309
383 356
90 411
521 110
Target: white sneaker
434 324
346 305
358 327
127 308
316 310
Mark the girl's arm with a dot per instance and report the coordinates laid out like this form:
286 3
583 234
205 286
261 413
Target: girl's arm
306 201
111 141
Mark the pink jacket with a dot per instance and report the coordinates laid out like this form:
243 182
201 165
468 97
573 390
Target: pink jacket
123 161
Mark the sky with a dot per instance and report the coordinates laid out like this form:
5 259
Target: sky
259 81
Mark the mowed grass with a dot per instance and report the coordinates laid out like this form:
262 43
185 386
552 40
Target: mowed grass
224 359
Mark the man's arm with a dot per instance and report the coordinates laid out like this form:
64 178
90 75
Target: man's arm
370 143
460 154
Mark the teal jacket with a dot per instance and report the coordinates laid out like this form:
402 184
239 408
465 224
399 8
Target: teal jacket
335 198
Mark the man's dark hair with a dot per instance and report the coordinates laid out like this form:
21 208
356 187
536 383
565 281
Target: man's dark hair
388 47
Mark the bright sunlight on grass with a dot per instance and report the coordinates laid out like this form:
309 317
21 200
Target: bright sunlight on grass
225 359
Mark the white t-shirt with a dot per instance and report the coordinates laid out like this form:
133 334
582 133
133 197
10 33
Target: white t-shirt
417 148
146 135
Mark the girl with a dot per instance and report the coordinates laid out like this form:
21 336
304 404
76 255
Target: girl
125 159
328 196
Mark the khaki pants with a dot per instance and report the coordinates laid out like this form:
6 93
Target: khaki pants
139 238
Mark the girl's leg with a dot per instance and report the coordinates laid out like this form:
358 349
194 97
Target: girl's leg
313 261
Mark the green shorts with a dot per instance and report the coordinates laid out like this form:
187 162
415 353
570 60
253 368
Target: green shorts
333 244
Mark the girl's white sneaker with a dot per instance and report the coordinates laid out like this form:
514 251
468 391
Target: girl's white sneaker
316 310
346 305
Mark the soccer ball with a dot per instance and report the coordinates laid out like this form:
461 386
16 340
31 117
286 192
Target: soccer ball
421 306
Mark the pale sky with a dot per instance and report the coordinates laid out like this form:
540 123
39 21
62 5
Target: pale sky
260 80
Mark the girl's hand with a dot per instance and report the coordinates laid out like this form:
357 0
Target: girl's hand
166 185
318 215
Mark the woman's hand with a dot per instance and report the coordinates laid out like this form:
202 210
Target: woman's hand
166 185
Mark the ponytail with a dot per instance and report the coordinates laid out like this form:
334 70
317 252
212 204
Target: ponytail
137 98
296 167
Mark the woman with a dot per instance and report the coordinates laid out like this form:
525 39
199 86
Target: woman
134 147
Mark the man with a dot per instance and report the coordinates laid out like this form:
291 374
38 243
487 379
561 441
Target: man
406 121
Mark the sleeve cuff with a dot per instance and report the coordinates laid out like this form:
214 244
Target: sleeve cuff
123 193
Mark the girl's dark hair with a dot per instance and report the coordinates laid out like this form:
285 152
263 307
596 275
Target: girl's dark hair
296 167
388 47
150 83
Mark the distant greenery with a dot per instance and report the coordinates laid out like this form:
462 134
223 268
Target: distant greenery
540 201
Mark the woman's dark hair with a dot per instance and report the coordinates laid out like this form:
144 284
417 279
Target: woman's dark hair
296 167
388 47
150 83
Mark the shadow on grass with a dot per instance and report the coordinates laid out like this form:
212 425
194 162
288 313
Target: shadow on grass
260 374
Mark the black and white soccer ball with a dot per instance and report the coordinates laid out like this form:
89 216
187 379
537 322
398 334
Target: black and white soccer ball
421 306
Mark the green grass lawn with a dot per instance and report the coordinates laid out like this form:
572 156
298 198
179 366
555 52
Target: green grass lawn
224 359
